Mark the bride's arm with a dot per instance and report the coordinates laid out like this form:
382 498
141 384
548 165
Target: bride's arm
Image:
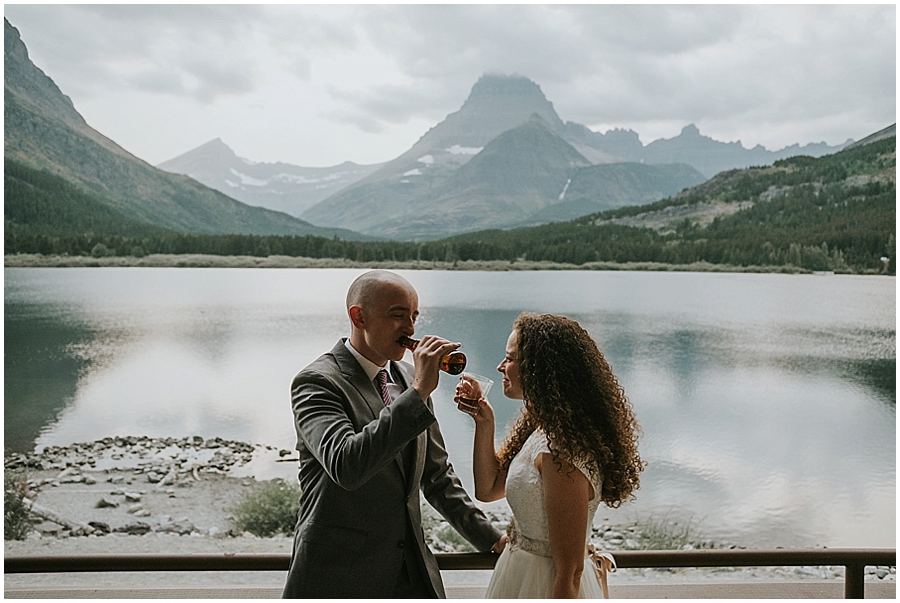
566 494
490 480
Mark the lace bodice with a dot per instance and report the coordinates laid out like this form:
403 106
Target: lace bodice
525 495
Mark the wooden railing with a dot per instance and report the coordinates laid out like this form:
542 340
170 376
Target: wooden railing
853 560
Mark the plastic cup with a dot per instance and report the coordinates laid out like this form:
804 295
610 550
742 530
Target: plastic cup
482 381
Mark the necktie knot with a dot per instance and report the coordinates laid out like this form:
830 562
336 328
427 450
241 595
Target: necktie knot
381 381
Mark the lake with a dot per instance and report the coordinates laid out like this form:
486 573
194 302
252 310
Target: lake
767 401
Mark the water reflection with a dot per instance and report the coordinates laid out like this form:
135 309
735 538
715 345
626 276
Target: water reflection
877 375
767 402
43 360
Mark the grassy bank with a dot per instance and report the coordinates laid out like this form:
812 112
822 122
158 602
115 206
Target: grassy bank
278 261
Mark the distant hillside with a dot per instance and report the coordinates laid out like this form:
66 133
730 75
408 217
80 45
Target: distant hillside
39 203
613 185
43 131
278 186
836 212
518 173
888 132
528 165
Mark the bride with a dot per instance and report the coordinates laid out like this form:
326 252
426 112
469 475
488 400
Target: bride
574 446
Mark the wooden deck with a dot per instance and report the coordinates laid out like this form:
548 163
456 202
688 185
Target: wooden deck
717 590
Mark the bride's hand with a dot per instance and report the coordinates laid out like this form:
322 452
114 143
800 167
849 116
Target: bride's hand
469 400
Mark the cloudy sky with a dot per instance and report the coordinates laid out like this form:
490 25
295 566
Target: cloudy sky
316 85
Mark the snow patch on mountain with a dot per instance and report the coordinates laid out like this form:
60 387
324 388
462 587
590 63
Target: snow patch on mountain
458 150
248 180
562 195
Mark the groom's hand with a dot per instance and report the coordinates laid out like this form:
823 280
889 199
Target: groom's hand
427 358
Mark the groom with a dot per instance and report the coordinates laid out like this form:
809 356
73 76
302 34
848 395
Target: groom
366 449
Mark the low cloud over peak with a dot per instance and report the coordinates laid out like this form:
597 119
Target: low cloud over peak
366 81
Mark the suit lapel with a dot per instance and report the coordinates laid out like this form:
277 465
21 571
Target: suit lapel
357 377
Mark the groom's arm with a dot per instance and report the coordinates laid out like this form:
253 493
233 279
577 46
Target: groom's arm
324 427
444 491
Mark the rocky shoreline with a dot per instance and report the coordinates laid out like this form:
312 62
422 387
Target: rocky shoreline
128 485
175 495
36 260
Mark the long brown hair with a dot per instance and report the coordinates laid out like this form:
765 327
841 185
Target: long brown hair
572 395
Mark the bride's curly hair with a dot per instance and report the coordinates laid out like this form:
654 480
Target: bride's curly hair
573 396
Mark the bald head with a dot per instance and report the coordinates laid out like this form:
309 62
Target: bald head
383 308
368 287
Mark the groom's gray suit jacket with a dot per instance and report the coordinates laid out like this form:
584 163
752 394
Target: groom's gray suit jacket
360 500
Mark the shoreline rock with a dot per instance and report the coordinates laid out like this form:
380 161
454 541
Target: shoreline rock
122 482
150 455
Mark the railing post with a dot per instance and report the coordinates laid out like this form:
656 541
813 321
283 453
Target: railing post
855 581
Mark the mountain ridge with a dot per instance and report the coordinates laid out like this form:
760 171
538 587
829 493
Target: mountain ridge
521 171
835 212
278 186
400 197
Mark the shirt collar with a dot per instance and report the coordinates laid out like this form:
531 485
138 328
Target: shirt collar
371 369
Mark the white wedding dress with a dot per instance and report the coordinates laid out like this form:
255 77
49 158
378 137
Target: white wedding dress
525 568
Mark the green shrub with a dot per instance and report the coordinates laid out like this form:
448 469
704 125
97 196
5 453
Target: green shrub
17 520
100 251
452 538
268 509
665 535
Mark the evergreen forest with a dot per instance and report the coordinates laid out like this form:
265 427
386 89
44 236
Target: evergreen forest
832 213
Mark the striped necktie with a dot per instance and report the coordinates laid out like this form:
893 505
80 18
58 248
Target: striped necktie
381 382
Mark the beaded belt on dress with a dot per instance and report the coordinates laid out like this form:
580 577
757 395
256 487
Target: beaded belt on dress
519 541
602 562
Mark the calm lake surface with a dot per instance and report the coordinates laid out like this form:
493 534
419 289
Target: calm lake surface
767 402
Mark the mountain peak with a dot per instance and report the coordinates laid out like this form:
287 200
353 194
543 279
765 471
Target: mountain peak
512 94
30 85
503 85
690 130
496 103
216 146
214 151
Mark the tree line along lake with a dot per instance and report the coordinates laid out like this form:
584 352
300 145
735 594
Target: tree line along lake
767 401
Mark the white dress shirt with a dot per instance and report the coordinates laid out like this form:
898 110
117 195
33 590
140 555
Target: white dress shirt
371 369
